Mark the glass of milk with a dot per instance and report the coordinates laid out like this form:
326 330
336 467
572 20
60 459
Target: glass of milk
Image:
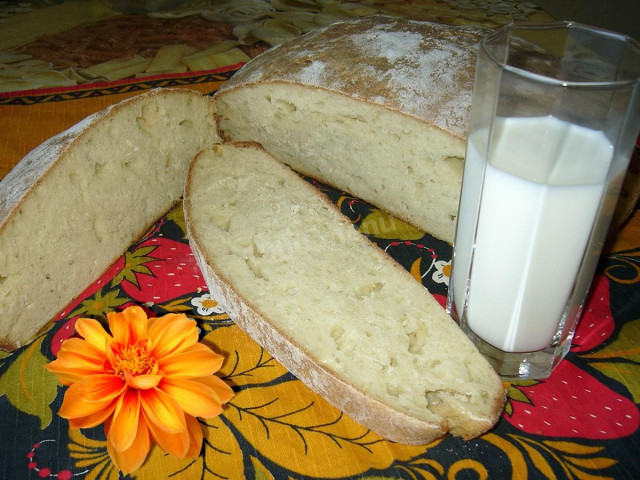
554 118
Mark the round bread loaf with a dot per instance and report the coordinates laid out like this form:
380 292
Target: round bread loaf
72 206
377 107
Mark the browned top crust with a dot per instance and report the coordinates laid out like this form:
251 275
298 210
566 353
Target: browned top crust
423 69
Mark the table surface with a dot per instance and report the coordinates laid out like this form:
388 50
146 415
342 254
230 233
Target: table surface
581 423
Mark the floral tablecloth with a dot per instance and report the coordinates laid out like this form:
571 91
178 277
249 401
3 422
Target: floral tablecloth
581 423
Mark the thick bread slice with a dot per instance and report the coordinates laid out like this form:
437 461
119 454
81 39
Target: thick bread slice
377 107
327 303
76 202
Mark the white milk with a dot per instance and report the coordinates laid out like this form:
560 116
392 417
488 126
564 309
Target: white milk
541 193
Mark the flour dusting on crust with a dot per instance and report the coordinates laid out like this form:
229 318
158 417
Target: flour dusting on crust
420 68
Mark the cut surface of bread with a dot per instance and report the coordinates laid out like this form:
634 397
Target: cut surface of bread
332 307
76 202
377 107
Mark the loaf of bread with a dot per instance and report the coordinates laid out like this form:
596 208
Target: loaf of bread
377 107
332 307
76 202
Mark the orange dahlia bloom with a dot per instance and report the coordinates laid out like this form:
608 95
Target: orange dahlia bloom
147 381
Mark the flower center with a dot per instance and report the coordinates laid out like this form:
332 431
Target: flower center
208 303
446 270
133 359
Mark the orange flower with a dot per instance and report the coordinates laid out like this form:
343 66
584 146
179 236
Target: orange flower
147 381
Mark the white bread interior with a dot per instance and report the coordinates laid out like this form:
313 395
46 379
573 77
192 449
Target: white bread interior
377 107
72 206
331 306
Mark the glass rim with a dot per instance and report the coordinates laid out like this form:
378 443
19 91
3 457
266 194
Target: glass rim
560 25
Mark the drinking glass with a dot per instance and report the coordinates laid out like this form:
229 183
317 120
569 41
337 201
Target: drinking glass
554 118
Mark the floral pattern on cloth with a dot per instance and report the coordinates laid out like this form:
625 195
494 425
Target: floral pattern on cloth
581 423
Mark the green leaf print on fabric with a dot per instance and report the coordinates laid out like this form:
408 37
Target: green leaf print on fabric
33 392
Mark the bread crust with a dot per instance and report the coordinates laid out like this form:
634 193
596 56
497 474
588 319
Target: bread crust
382 418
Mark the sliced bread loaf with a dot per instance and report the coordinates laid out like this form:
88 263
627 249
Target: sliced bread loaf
77 201
327 303
377 107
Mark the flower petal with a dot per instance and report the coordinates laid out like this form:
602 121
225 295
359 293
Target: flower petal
107 426
67 376
172 333
76 350
162 410
100 388
197 361
128 461
195 436
94 419
124 426
119 328
222 389
176 444
76 359
93 332
195 398
75 407
137 319
142 382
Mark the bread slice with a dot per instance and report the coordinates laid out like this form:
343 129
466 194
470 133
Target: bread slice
76 202
377 107
332 307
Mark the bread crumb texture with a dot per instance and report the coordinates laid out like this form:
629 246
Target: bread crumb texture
302 266
76 202
376 107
